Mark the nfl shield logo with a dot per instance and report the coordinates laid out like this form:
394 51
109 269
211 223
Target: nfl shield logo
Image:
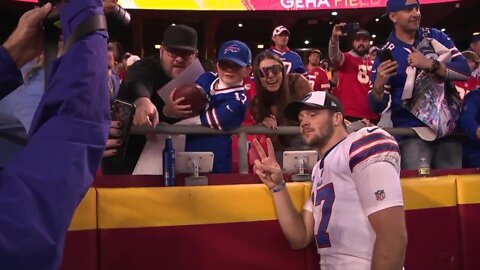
380 195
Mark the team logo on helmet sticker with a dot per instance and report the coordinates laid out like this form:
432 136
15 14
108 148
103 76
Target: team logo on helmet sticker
380 195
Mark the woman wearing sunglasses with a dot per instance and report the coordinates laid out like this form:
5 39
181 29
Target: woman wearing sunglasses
275 89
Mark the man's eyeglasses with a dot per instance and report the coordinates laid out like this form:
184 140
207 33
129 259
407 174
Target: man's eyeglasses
174 53
274 69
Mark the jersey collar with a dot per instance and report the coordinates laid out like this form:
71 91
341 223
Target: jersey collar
393 38
279 51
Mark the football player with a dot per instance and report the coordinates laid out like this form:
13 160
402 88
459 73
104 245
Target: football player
355 213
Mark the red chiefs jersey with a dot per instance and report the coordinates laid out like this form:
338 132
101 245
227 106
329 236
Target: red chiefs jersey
465 87
317 77
353 86
250 91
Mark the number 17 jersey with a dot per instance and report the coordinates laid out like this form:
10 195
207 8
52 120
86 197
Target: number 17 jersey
357 177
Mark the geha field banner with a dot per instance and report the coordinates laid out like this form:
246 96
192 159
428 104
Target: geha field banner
254 5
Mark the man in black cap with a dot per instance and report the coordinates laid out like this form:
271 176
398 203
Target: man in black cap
355 68
355 213
144 78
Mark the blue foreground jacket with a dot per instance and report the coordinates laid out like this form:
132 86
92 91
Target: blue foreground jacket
42 186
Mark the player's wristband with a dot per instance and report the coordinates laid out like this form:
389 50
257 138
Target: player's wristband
278 187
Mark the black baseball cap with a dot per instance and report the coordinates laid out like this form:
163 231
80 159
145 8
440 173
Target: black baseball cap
362 32
316 100
180 37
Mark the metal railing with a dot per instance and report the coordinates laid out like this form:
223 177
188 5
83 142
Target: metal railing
242 135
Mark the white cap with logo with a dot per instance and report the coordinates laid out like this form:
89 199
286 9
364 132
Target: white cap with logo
280 29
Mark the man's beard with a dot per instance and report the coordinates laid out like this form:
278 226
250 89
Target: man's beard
361 52
320 140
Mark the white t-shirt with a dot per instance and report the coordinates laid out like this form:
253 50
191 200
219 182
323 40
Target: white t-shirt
357 177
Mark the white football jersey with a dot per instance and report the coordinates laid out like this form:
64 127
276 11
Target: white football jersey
357 177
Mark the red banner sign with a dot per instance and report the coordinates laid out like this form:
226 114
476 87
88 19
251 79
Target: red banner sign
322 4
256 5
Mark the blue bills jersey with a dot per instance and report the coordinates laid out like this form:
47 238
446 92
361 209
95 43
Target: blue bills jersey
394 88
226 111
291 61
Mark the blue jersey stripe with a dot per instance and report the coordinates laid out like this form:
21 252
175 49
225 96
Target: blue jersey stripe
368 139
374 150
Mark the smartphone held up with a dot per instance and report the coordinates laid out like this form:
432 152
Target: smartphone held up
351 28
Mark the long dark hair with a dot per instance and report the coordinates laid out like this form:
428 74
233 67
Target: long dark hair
264 99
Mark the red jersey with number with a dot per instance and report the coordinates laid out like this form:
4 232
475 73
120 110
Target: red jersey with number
353 86
318 79
250 91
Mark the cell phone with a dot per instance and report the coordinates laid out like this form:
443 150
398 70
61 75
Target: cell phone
351 28
123 111
385 55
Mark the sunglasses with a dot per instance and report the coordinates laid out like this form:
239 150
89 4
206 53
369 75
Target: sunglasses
174 53
274 69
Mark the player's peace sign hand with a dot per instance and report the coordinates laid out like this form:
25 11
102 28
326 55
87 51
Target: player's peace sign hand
267 167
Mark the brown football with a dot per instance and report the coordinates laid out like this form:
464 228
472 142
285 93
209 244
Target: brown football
194 96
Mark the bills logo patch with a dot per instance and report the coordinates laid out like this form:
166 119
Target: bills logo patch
380 195
232 48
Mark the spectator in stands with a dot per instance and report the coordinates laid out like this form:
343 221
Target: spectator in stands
131 60
354 71
291 60
470 123
464 87
389 79
178 51
373 51
317 76
475 47
17 110
226 107
41 187
114 81
275 89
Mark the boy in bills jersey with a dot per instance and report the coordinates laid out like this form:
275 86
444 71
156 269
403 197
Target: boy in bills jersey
355 68
355 213
291 60
227 103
